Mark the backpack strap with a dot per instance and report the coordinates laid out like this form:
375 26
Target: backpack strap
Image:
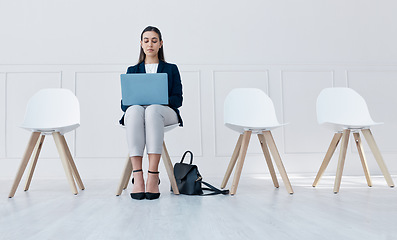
214 190
191 157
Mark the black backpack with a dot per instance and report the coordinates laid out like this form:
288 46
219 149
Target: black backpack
189 179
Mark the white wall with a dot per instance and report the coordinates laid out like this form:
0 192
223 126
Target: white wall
290 49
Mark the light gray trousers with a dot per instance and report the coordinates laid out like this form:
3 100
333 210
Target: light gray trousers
145 126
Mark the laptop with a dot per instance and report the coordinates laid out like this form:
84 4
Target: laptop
144 88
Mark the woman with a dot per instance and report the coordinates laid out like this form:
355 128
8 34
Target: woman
145 124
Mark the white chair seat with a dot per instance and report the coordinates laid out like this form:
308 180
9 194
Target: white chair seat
338 127
170 127
254 129
50 130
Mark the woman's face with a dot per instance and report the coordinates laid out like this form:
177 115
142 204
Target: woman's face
151 43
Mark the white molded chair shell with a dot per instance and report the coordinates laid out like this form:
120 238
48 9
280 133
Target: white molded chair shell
249 109
343 108
52 110
166 128
170 127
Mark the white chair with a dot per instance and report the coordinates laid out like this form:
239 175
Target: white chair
247 111
50 112
126 175
344 111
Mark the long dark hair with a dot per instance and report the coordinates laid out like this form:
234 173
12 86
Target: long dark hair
142 54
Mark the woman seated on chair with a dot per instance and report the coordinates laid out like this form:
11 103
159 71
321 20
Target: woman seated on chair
145 124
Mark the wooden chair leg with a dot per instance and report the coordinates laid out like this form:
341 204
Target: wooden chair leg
362 157
125 177
277 159
268 159
33 163
341 161
75 172
240 163
170 169
65 161
25 159
328 156
128 174
232 162
378 156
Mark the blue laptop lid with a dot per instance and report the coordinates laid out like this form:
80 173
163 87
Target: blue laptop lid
144 88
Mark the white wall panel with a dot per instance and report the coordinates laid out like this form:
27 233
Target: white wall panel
188 137
100 135
300 91
20 87
224 82
378 88
3 113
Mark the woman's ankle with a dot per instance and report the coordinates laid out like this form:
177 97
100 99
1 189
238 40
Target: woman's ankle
139 182
152 184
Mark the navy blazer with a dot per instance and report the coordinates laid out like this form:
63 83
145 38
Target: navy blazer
174 86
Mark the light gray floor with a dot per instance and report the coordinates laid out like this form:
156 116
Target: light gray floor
258 211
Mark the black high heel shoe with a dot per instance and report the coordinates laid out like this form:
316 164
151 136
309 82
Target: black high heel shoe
152 196
139 195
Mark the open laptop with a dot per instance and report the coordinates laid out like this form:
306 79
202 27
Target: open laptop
144 88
